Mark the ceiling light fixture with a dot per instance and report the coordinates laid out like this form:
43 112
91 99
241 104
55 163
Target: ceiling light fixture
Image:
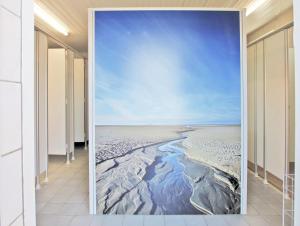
253 6
45 16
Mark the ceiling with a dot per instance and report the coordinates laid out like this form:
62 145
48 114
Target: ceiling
74 14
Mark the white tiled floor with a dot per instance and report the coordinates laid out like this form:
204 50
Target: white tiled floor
64 202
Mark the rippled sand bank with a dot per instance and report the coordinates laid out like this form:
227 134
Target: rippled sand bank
145 170
217 146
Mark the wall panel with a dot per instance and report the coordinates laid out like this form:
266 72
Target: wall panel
79 99
11 187
70 101
86 98
275 69
260 102
17 193
10 117
291 97
42 101
251 100
10 40
56 102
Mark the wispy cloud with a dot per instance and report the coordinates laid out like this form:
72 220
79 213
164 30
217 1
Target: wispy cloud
161 69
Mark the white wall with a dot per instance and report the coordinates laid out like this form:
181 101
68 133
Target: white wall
79 100
275 102
251 58
291 95
16 102
70 102
259 108
297 109
56 102
267 100
41 101
86 93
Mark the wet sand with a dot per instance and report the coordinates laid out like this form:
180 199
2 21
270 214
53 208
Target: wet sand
146 170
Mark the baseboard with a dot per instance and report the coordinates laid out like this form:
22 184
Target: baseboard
271 178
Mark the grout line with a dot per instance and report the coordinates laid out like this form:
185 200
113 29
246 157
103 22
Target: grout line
11 12
11 223
8 81
11 152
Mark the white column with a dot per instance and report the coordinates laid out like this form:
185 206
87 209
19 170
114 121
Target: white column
86 101
79 100
28 112
297 109
17 192
70 102
42 104
57 102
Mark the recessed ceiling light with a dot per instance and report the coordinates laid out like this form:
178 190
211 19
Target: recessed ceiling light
253 6
45 16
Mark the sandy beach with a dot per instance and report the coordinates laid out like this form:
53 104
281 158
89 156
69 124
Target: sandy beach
218 146
167 170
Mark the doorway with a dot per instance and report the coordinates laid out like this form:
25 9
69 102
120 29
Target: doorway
61 142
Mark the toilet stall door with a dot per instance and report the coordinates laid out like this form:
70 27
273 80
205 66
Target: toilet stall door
275 104
57 101
79 100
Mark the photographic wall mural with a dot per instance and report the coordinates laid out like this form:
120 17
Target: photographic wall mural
167 111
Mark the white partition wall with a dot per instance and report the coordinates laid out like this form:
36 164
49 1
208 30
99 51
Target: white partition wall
260 103
56 101
251 101
70 103
79 100
291 96
86 103
41 102
272 102
297 110
275 108
17 194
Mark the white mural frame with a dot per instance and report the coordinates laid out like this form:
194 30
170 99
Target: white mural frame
91 95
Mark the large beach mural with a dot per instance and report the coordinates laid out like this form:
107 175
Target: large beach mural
167 112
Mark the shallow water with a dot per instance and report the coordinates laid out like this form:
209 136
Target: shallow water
160 179
169 186
171 189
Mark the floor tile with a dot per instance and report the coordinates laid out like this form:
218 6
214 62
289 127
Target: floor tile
174 220
64 201
256 221
273 220
236 220
97 221
215 220
82 220
53 220
130 220
194 220
74 209
157 220
52 208
112 220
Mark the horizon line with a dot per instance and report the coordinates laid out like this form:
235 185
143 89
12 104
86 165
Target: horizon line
221 124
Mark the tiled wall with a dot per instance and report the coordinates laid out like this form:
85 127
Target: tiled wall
11 170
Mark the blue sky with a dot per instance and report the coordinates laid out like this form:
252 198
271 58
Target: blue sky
167 67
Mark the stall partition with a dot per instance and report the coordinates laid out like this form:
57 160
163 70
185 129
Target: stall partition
79 101
41 74
60 102
57 101
271 104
